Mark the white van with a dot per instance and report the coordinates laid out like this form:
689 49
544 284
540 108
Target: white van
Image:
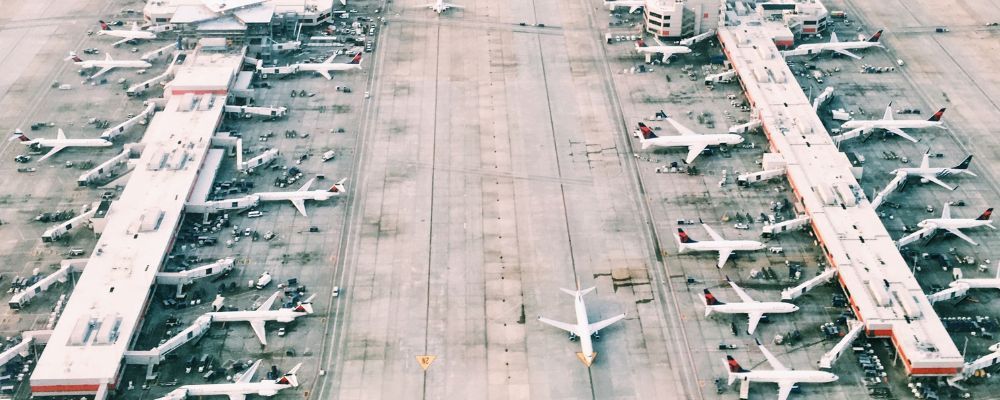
255 214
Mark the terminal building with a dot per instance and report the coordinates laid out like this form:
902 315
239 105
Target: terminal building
85 354
243 21
883 292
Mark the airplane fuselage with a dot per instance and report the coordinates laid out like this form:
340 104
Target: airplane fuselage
688 140
930 171
888 124
774 307
663 49
316 67
318 195
282 315
734 245
263 388
792 376
68 143
817 47
953 223
113 64
145 35
583 328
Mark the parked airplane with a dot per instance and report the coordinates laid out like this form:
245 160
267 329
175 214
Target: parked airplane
440 6
929 227
695 142
979 283
836 46
57 144
326 66
264 313
299 197
895 126
107 64
632 5
928 174
752 308
723 246
784 377
134 34
583 329
667 51
240 388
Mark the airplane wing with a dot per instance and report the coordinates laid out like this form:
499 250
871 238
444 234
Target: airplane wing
594 327
887 115
300 205
902 134
325 73
269 302
754 319
248 374
680 128
847 53
561 325
739 292
237 396
946 211
53 151
693 151
330 58
61 135
723 256
258 329
711 232
307 185
775 364
784 389
103 71
449 5
125 39
932 178
962 236
926 160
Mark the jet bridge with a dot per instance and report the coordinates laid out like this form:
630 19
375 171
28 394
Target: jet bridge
264 111
22 298
21 348
57 231
108 169
255 162
141 87
826 362
159 52
182 278
812 283
119 129
151 358
785 226
970 368
892 186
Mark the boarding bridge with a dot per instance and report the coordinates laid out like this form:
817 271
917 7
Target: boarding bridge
698 38
722 77
894 184
22 298
823 97
150 358
21 349
851 134
953 292
745 128
812 283
159 52
56 232
183 278
141 87
118 130
915 236
785 226
264 111
826 362
754 177
970 368
255 162
108 169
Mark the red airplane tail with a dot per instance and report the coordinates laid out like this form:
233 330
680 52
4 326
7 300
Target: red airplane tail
937 116
876 36
641 43
684 238
356 59
710 299
734 366
104 26
986 215
647 132
19 135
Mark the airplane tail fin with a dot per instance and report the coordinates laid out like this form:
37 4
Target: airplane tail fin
710 301
104 25
733 368
338 187
875 38
74 57
290 378
641 43
647 132
683 237
356 59
937 116
662 114
986 215
18 135
965 163
305 306
580 292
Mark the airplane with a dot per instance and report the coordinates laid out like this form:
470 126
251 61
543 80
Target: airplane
240 388
326 66
583 329
126 35
107 64
953 225
695 142
299 197
632 5
57 144
264 313
724 247
752 308
785 378
895 126
836 46
928 174
979 283
440 6
667 51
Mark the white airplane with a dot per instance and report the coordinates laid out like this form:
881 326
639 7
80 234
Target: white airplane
895 126
836 46
930 226
695 142
440 6
326 66
583 329
979 283
299 197
264 313
632 5
784 377
107 64
57 144
667 51
928 174
752 308
240 388
723 246
134 34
